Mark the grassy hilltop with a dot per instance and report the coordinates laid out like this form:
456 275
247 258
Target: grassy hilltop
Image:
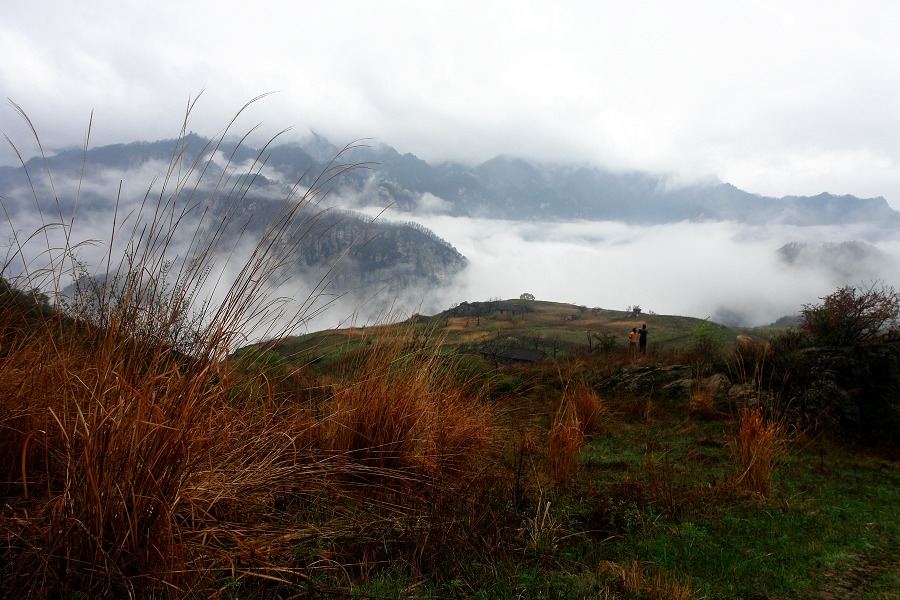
555 328
592 490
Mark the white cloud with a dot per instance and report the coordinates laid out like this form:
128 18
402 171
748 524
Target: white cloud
431 204
692 269
778 98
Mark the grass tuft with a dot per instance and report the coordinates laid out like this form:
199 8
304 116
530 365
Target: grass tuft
590 410
564 443
702 402
401 412
651 582
757 446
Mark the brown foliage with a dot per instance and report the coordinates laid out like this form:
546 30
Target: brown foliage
701 402
400 412
758 444
564 443
589 408
650 581
851 315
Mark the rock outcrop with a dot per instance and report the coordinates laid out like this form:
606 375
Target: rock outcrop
854 390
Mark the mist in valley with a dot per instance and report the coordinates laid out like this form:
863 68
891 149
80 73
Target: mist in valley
732 273
728 272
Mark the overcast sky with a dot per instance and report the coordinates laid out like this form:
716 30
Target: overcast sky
780 97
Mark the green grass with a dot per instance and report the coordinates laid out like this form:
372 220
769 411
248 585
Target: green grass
655 489
814 530
831 523
558 329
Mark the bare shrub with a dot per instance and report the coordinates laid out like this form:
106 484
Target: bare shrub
851 315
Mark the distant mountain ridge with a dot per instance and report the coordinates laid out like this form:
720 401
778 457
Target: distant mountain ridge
510 188
514 188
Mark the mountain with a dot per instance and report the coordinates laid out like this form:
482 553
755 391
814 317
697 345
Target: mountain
513 188
502 187
405 259
125 183
847 261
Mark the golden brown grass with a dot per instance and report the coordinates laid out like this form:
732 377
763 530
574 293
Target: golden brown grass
643 580
138 459
564 443
399 411
589 409
757 446
701 402
125 453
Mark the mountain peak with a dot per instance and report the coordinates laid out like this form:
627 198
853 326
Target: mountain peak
511 187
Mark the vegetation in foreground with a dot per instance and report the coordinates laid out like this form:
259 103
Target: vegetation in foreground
142 458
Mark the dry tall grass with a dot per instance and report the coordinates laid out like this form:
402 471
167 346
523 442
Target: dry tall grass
119 440
400 412
589 408
650 581
132 466
702 401
120 453
757 446
564 443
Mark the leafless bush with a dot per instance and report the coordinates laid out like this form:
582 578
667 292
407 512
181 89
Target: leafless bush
851 315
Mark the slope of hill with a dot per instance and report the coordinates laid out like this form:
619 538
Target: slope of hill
554 329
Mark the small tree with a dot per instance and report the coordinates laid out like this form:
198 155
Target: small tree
851 315
527 297
603 341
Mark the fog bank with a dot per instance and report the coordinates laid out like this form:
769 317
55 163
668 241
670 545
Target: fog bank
728 272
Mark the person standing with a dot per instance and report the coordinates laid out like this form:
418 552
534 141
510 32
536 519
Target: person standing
632 340
642 336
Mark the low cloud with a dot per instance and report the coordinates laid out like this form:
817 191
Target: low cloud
725 271
729 272
431 204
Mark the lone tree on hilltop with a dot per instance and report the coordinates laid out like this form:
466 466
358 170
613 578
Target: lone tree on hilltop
851 315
